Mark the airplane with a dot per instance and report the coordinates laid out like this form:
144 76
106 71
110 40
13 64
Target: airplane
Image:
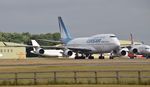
44 52
52 52
138 49
86 46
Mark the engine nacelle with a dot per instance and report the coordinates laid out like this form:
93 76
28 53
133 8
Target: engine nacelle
40 51
68 52
124 51
134 50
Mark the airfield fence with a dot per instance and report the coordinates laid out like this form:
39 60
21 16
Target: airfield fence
76 77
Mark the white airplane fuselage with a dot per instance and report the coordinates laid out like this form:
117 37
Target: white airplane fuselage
101 43
142 49
57 53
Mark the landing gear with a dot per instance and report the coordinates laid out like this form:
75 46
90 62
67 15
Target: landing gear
79 57
111 57
76 56
91 57
83 56
101 56
147 57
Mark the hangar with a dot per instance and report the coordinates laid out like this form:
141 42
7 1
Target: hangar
8 52
127 43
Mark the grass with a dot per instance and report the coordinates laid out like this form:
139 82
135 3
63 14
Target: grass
117 64
49 78
82 86
51 68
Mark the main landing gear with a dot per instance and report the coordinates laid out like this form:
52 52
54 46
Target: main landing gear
101 56
79 57
84 56
89 56
111 56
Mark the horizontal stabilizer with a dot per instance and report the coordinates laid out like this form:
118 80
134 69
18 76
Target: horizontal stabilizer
52 41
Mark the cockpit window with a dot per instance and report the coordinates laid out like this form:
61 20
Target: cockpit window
147 48
112 36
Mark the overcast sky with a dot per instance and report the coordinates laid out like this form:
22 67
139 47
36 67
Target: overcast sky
82 17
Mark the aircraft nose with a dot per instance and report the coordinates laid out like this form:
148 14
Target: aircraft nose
117 42
148 51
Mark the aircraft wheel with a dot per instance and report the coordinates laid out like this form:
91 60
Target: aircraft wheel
76 57
111 57
87 55
91 57
82 57
147 57
101 57
79 57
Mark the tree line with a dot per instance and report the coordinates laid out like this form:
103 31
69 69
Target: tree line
26 37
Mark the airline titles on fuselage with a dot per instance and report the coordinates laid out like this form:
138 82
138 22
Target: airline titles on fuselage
96 41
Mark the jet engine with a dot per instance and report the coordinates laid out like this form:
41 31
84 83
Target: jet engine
123 51
68 52
134 50
40 51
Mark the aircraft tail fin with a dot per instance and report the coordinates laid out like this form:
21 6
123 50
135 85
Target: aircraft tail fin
35 43
131 39
65 35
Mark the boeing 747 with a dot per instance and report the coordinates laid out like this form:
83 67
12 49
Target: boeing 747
86 46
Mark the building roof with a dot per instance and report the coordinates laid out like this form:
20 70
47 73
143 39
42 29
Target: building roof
127 43
11 44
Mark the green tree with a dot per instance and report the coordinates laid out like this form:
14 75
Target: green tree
25 37
56 36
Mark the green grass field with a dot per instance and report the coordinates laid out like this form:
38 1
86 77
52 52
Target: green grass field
58 64
83 86
75 65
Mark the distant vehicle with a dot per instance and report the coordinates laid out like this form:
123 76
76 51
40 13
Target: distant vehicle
45 52
140 49
86 46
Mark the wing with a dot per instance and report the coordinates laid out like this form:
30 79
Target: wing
52 41
81 49
49 47
85 49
